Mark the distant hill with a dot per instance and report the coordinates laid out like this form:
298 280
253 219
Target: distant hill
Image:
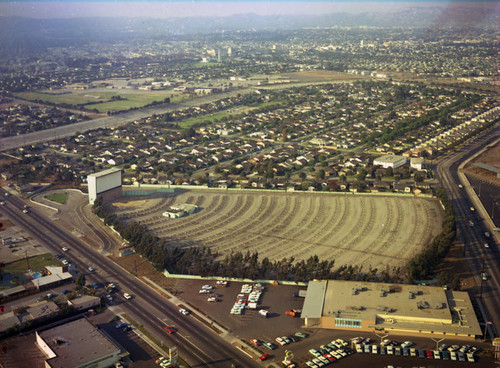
19 34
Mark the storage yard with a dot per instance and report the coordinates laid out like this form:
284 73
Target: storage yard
368 231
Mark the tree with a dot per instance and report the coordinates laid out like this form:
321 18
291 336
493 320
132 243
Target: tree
80 279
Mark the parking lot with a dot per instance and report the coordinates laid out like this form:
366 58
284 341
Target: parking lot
279 298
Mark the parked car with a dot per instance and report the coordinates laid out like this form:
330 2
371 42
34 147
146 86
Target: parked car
269 345
406 344
127 296
264 356
255 342
184 311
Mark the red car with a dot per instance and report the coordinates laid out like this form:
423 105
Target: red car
169 329
429 354
255 342
264 356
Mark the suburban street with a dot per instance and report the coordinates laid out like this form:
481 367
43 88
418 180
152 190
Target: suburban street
480 258
197 344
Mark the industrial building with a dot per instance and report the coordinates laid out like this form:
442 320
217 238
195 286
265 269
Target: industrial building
78 344
106 184
387 161
390 309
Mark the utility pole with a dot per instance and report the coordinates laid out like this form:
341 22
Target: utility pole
27 260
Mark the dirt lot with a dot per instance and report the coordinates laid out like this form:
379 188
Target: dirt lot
489 157
370 231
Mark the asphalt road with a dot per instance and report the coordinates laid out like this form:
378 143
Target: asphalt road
198 345
481 259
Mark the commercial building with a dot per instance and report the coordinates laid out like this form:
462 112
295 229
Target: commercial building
106 184
387 161
78 344
390 309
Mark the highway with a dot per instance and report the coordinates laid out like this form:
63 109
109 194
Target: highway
198 345
480 258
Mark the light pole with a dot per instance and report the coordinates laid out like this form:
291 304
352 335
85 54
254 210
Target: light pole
381 337
437 342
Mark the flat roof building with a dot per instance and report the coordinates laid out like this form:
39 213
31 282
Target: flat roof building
393 161
77 344
390 308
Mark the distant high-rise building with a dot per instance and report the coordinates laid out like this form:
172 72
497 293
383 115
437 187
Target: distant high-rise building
229 51
218 55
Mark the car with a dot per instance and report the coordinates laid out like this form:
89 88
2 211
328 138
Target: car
382 350
184 311
446 355
269 345
126 329
121 325
109 298
470 358
314 352
65 262
443 347
127 296
26 211
406 344
118 365
367 348
329 357
374 349
486 245
204 291
421 353
357 340
385 342
212 299
464 349
264 356
2 203
255 342
301 335
453 355
437 355
413 352
390 350
397 351
50 295
91 269
64 249
7 194
428 354
169 329
286 339
453 348
359 348
58 256
406 352
207 287
461 357
310 364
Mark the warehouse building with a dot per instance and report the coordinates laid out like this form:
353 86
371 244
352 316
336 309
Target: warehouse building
387 161
390 309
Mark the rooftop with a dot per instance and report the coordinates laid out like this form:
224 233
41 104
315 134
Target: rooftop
389 158
76 343
393 305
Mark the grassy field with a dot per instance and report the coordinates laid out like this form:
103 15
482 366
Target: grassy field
57 197
70 98
36 264
104 100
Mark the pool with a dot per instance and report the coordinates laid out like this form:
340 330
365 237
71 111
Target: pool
36 275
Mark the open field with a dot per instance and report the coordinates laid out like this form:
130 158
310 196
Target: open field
373 231
102 101
36 264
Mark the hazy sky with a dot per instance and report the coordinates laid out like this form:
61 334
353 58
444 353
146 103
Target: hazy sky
166 8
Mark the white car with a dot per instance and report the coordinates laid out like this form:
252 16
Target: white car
64 249
204 291
91 269
280 341
127 296
184 311
65 262
207 287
